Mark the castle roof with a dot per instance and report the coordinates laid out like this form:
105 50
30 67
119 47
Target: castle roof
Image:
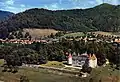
92 57
70 56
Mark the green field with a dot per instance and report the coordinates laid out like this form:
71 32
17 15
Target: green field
80 34
108 33
74 34
54 64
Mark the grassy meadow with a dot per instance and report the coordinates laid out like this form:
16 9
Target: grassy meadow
37 75
36 33
105 74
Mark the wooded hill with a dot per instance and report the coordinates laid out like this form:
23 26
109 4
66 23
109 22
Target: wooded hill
5 14
104 17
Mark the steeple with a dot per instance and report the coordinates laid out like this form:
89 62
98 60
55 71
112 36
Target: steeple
92 56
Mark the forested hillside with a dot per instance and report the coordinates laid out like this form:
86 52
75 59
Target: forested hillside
5 15
104 17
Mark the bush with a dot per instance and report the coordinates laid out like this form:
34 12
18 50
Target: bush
24 79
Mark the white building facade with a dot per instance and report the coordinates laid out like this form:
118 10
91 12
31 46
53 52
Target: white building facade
80 60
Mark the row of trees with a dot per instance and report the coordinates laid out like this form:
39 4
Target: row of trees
19 35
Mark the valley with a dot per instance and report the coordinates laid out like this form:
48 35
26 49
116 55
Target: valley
68 45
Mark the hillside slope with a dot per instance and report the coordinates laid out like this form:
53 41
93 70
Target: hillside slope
5 14
104 17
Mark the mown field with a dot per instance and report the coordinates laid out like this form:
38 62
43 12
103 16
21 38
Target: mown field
36 33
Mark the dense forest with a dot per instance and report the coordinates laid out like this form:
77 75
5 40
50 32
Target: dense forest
104 17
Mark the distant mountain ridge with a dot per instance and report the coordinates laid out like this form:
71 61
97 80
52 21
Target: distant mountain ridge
104 17
5 14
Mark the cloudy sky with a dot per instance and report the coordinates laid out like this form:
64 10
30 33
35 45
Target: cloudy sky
21 5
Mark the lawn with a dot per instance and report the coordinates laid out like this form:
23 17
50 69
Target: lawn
1 62
54 64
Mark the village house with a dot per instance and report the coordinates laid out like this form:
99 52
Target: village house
80 60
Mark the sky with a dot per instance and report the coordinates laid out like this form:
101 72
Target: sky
17 6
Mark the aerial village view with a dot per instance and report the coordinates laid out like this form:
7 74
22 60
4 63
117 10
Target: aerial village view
59 40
